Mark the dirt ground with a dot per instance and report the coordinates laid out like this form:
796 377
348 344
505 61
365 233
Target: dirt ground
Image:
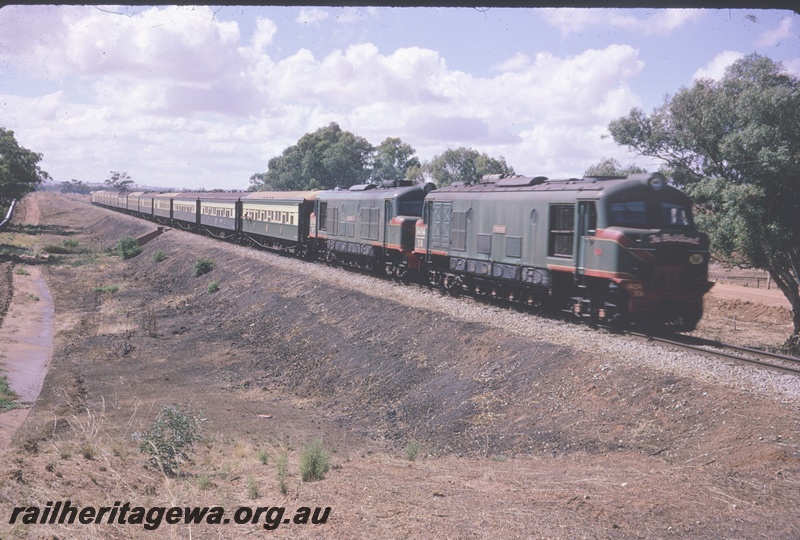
517 436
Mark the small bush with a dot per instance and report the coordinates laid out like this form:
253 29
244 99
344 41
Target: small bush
412 449
71 244
57 250
21 271
283 471
204 482
252 488
202 266
171 435
263 456
213 286
128 248
159 256
314 462
89 451
8 398
109 289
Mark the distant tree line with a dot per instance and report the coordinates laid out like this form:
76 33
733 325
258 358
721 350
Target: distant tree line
75 186
330 158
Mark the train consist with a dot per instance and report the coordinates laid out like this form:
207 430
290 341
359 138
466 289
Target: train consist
612 250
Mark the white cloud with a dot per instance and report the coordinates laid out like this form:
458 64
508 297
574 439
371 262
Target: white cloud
715 69
646 22
311 16
773 37
515 63
180 99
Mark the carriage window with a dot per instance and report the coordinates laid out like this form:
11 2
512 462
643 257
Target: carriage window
632 213
562 230
675 214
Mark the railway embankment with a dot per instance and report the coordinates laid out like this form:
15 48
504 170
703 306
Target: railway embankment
523 426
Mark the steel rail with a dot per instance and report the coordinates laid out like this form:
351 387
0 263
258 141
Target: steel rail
698 345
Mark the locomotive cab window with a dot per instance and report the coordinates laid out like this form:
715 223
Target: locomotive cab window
677 215
411 208
562 230
629 213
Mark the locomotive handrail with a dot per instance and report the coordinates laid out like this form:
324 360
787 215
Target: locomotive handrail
8 214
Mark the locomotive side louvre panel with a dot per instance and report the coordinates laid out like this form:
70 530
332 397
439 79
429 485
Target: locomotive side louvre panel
322 216
440 225
458 231
370 220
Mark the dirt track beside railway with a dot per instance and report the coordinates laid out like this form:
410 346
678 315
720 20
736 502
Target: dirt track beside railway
526 427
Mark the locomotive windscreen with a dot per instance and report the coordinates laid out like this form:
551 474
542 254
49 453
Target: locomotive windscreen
636 214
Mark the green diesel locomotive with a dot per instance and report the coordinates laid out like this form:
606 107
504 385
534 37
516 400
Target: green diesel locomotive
610 249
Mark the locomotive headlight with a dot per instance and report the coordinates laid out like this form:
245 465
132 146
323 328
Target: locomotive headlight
656 182
696 258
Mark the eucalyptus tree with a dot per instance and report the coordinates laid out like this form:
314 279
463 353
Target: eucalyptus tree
464 165
734 145
327 158
392 160
612 167
20 173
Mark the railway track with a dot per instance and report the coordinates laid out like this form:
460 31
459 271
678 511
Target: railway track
765 359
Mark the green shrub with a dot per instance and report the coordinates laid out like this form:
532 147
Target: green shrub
204 482
252 488
110 289
314 462
71 244
412 449
128 247
171 435
203 266
57 250
283 471
263 456
213 287
159 256
8 398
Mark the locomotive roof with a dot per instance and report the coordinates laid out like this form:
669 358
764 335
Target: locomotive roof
367 191
597 184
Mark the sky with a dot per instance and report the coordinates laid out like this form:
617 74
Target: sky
202 97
